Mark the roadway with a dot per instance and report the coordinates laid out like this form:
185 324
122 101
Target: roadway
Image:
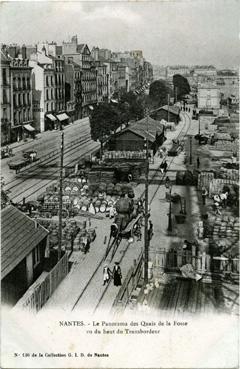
32 181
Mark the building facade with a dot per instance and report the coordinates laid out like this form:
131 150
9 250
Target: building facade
5 100
48 88
228 84
208 97
73 89
81 55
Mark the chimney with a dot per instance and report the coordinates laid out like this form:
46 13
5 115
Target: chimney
35 224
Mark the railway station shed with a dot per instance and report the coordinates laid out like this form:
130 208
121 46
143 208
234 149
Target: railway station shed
134 136
169 113
24 244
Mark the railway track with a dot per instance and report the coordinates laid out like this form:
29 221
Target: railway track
35 169
182 134
37 187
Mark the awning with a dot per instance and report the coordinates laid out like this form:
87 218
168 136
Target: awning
62 117
29 128
91 107
51 117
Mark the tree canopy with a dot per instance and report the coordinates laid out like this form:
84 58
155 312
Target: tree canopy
158 93
135 105
104 119
181 86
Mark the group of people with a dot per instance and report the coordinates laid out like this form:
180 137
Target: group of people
220 200
116 274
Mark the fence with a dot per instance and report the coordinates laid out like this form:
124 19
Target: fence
171 261
38 294
129 284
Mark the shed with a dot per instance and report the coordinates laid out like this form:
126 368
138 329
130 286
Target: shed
23 244
169 113
133 137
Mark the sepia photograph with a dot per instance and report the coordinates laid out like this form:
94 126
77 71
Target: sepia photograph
120 184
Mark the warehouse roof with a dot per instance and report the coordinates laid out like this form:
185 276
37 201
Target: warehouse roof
153 126
19 236
141 132
172 109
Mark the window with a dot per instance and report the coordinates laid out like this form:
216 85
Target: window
47 97
19 117
36 256
47 81
51 80
47 107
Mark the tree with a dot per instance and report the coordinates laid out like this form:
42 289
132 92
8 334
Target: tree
135 103
104 119
158 93
181 86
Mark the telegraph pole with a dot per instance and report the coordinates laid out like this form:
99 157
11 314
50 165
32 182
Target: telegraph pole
146 240
60 197
168 96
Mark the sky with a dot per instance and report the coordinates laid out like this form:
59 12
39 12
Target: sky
168 31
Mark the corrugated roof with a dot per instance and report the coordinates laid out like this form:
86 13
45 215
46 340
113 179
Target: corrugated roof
18 238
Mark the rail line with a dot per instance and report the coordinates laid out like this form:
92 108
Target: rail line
124 251
37 167
50 181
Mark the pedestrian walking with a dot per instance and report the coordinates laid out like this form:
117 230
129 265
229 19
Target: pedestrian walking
165 167
198 162
167 182
204 195
129 177
114 230
138 232
106 274
117 275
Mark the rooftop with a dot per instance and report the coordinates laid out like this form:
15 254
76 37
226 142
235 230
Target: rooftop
19 237
146 128
172 109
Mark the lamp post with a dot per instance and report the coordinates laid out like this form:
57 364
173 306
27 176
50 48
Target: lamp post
169 186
